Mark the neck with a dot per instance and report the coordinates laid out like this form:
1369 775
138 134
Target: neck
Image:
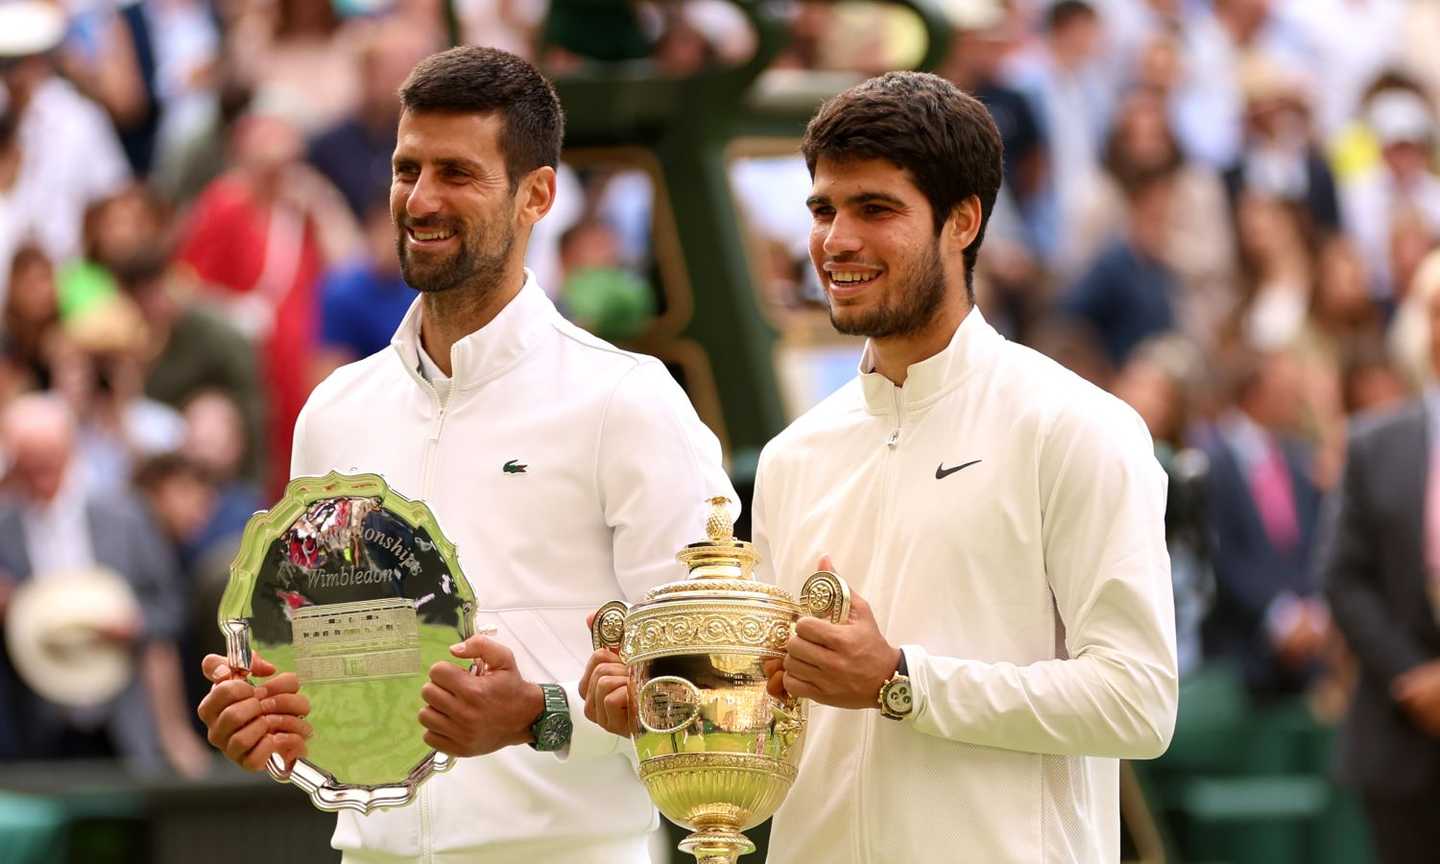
446 317
894 355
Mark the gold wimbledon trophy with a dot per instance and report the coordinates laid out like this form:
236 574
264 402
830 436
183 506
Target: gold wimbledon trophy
717 752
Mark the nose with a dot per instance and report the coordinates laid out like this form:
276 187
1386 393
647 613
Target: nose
841 236
423 198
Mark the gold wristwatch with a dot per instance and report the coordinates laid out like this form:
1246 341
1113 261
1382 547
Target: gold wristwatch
895 698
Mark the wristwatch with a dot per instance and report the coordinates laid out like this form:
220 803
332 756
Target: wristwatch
896 700
552 728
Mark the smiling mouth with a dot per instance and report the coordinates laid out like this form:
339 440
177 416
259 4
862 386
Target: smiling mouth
850 278
431 235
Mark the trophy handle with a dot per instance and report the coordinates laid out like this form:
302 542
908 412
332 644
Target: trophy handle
237 644
608 629
825 595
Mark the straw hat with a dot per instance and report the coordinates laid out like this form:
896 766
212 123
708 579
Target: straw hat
54 629
29 27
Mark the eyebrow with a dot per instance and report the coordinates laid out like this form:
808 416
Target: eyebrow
443 162
858 199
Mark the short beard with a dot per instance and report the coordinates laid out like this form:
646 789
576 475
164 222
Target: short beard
473 265
915 305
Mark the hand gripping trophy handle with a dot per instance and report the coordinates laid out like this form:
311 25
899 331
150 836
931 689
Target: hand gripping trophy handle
825 595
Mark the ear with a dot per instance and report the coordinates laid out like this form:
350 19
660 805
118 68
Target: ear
963 224
535 196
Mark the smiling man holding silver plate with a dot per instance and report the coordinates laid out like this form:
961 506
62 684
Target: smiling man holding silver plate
565 471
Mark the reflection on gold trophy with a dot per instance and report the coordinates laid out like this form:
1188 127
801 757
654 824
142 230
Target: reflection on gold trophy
717 752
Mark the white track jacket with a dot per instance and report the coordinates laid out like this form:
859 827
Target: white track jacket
1005 520
617 469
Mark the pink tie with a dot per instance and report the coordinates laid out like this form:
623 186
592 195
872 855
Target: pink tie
1432 533
1275 499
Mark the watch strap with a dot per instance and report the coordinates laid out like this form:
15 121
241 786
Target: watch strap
552 729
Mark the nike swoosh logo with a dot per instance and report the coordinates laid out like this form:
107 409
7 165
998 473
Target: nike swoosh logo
941 472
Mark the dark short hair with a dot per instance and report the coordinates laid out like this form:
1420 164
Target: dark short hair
470 79
921 123
1066 12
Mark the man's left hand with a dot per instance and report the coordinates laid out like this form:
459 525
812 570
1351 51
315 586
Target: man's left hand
843 665
471 713
1418 692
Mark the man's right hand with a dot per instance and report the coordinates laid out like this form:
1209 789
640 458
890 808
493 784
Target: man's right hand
606 687
248 723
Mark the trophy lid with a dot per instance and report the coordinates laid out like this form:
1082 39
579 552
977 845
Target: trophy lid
719 565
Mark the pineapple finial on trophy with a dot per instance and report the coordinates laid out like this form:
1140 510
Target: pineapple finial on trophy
720 524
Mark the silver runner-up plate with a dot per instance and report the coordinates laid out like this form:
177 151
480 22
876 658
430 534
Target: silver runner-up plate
352 587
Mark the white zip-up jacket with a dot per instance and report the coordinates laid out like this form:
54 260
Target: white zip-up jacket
1004 519
617 471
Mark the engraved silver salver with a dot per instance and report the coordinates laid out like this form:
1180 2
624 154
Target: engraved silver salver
351 586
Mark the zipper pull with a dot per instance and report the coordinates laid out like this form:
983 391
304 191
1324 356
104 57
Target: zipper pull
894 439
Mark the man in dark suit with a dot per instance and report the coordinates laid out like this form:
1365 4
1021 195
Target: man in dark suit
1268 617
1381 565
50 526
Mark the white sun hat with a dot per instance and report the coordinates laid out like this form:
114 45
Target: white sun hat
29 27
60 630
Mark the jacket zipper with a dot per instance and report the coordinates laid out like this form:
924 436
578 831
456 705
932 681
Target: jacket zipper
432 444
894 438
892 443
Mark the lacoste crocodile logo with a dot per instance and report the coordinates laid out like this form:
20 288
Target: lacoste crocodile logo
941 472
514 466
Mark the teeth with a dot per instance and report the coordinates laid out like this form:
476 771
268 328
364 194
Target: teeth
432 235
849 278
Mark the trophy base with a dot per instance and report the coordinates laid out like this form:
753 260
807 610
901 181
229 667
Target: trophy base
717 846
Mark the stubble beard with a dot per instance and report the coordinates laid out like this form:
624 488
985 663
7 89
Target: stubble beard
914 307
478 264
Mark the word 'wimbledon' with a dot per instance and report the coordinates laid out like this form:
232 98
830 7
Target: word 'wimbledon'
351 576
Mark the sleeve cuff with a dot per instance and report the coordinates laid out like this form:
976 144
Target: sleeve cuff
914 670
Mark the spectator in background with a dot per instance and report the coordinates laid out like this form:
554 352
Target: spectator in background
68 153
1408 336
118 228
1280 156
1277 266
1209 104
300 52
1403 180
1349 43
261 235
104 384
1129 294
1268 616
191 350
1370 382
363 300
598 292
1381 567
53 525
215 443
1199 246
978 47
354 153
1067 85
31 320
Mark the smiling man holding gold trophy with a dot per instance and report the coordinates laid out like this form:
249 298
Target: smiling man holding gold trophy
563 470
1011 633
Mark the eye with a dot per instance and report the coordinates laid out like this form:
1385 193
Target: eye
876 209
822 213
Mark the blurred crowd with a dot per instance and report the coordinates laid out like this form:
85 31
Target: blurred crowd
1225 212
